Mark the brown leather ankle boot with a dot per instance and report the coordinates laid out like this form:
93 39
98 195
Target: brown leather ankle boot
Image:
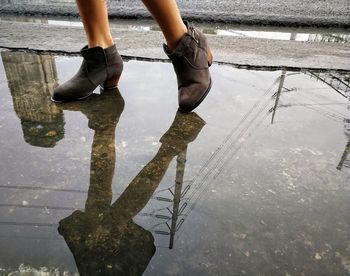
100 67
191 60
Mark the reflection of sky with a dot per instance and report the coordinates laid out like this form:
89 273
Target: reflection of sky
80 24
238 33
65 23
267 35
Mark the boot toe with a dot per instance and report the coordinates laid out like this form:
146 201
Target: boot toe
191 96
67 92
58 95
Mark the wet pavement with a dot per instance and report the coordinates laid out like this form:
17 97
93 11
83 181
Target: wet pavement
255 182
242 46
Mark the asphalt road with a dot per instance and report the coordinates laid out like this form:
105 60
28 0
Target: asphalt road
270 12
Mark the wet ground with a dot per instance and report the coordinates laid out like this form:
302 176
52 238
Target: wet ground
238 45
256 182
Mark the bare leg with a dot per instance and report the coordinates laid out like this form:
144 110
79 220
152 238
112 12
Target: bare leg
192 58
94 15
167 15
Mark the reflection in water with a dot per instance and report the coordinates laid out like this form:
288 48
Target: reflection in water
104 239
345 159
339 82
31 78
312 37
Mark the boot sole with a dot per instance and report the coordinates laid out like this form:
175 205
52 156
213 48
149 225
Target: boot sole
200 100
74 100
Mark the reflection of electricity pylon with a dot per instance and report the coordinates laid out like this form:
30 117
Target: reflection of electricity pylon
278 95
343 160
180 171
177 195
283 78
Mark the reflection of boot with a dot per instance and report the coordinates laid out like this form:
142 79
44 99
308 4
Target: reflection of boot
101 110
100 67
183 131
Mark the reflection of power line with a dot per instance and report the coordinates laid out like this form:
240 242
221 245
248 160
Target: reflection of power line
198 186
333 115
327 114
313 104
232 154
335 83
230 147
219 165
221 149
322 109
227 150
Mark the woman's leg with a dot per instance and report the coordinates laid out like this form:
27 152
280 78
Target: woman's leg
167 15
94 15
188 50
101 65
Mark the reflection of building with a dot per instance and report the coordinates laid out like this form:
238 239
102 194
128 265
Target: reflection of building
31 78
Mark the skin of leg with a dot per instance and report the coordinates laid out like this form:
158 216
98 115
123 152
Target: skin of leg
94 15
167 15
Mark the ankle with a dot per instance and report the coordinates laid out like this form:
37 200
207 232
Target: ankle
175 38
101 42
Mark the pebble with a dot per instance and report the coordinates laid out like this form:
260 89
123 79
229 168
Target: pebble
51 133
318 256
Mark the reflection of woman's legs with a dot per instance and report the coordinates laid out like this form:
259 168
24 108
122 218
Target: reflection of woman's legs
94 15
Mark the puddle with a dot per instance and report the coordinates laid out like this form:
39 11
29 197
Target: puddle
256 181
275 35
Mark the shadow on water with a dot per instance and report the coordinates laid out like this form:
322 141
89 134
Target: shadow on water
104 238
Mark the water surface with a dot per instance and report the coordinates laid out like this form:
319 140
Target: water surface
256 181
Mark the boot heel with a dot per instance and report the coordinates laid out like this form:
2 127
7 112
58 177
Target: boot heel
210 58
111 83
